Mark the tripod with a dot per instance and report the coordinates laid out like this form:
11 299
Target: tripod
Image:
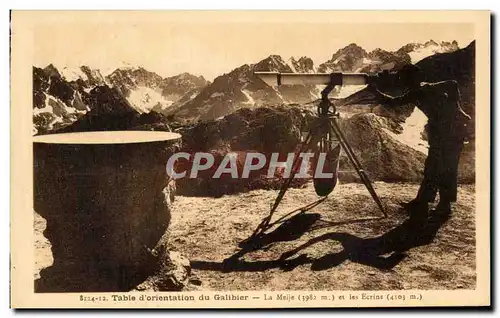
321 134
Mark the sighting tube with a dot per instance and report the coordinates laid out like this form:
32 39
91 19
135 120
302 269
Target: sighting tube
276 78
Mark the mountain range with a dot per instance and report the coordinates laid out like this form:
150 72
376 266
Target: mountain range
62 96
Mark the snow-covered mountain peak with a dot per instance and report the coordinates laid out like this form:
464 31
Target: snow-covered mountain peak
303 65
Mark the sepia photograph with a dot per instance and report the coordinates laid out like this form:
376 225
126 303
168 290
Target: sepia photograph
252 159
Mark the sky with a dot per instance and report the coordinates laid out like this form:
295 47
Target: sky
211 49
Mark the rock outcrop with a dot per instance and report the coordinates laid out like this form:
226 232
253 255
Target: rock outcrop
106 207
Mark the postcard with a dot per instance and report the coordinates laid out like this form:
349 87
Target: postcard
250 159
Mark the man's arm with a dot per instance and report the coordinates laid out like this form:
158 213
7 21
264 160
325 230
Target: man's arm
458 98
394 101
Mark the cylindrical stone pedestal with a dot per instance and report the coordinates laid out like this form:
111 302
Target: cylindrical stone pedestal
105 197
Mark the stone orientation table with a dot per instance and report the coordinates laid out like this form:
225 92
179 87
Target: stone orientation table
106 198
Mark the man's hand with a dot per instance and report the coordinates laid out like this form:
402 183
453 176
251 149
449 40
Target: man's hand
381 98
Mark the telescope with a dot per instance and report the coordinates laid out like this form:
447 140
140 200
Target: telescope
330 80
323 131
277 79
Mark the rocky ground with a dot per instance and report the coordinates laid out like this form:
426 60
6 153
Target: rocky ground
340 244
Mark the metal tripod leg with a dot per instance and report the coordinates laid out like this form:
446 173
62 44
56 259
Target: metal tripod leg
356 164
308 143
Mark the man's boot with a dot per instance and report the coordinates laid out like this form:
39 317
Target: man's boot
416 209
443 208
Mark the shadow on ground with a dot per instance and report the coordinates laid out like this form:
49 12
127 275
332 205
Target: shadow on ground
382 252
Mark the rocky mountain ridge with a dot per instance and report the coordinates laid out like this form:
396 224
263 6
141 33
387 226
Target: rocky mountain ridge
240 88
60 97
377 133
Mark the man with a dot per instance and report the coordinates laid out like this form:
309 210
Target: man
446 131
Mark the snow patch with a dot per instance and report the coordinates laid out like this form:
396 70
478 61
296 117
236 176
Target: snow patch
46 109
424 52
69 110
346 91
250 101
412 130
275 61
56 120
338 59
217 94
387 66
368 61
73 74
144 99
290 65
278 93
316 92
365 62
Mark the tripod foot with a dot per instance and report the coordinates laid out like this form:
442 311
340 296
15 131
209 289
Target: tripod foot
261 227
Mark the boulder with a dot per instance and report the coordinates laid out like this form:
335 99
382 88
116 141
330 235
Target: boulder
264 130
173 273
382 157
